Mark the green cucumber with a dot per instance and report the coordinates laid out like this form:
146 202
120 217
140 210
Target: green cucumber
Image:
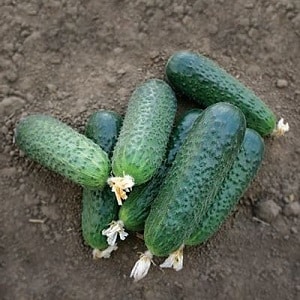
99 207
103 128
60 148
144 135
235 184
194 178
135 209
180 132
203 81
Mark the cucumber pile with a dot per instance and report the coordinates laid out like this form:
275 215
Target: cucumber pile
177 182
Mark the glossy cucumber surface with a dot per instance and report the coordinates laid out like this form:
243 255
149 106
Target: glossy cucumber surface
103 128
99 207
235 184
202 80
194 178
60 148
135 209
144 135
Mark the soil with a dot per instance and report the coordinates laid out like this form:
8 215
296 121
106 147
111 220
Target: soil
69 58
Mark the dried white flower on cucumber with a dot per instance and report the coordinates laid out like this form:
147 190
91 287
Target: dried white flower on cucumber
115 229
142 266
120 186
104 253
175 260
281 128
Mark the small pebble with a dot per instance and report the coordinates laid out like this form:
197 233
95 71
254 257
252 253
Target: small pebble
267 210
121 71
294 230
291 197
111 81
11 76
281 83
51 87
292 209
50 212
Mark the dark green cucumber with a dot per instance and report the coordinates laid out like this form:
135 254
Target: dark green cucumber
99 207
180 132
235 184
194 178
203 81
144 135
135 209
60 148
103 128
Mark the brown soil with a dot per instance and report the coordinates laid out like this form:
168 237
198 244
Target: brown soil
69 58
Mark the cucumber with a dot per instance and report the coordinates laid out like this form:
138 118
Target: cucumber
144 135
135 209
203 81
60 148
194 178
180 132
103 128
99 207
235 184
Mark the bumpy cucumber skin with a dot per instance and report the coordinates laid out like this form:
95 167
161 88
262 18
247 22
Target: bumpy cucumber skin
194 178
203 81
99 207
135 209
235 184
60 148
145 131
104 121
180 132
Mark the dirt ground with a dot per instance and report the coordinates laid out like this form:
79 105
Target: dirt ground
69 58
